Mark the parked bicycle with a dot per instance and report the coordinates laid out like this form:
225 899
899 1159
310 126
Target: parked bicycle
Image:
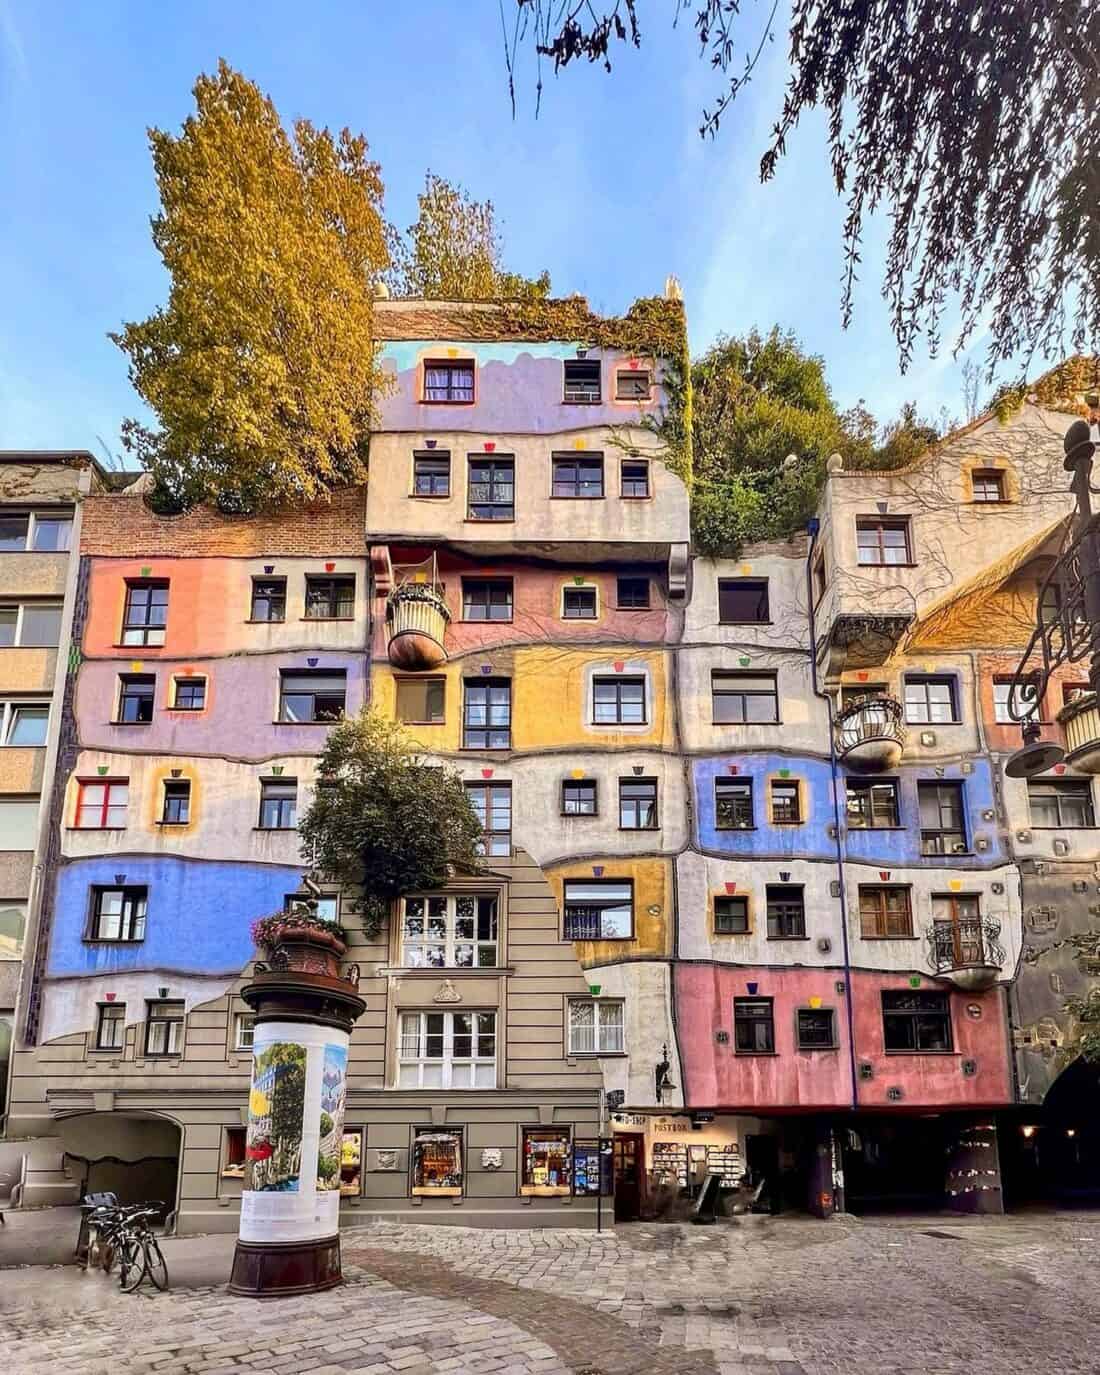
123 1235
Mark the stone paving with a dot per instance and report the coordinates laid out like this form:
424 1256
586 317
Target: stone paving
764 1296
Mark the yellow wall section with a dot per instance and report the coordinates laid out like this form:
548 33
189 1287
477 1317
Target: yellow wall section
652 890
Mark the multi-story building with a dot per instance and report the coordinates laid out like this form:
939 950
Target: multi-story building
757 896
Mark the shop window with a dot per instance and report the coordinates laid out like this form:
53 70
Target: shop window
447 1050
449 382
1003 701
987 485
330 599
118 914
432 474
136 692
596 1026
177 802
632 384
882 542
731 916
885 912
743 601
163 1028
930 701
190 694
437 1162
916 1021
578 797
872 806
34 625
110 1027
744 698
786 912
421 701
244 1030
351 1162
145 614
102 806
547 1161
786 803
1065 802
233 1156
25 723
306 697
634 479
486 714
753 1026
577 476
578 603
449 931
493 804
816 1028
268 599
492 489
581 380
486 599
943 830
599 910
278 804
637 804
733 804
632 594
618 701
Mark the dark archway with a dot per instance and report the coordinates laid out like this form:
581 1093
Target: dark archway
133 1155
1052 1154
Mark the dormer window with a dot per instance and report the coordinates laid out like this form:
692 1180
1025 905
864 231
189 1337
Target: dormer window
449 381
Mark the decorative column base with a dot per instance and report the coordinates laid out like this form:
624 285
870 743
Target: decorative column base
275 1270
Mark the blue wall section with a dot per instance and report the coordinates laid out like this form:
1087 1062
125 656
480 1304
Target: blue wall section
198 917
811 839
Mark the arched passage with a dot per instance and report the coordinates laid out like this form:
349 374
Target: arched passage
1052 1154
134 1155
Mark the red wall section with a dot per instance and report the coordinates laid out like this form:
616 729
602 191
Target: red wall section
715 1077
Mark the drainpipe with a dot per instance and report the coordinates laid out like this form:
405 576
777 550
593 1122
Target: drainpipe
814 526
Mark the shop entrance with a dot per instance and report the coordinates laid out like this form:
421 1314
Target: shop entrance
1052 1155
894 1164
629 1165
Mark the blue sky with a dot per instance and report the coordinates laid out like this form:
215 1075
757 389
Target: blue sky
610 189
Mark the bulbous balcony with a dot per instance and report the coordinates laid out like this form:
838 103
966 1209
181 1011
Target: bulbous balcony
967 952
416 622
1080 720
870 733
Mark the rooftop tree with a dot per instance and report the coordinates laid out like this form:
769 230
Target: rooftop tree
383 822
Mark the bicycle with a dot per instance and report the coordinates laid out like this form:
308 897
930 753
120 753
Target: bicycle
123 1234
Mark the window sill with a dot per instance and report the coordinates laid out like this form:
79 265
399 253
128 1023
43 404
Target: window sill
730 935
335 721
858 829
106 940
591 939
484 620
232 1173
644 829
787 938
575 816
129 723
808 1050
595 401
627 496
270 620
186 711
633 608
325 620
746 622
425 402
908 937
429 496
560 496
757 1054
885 565
923 1052
131 648
162 822
597 1054
270 830
746 723
544 1190
427 1191
489 520
734 830
96 828
1034 827
437 971
403 722
799 822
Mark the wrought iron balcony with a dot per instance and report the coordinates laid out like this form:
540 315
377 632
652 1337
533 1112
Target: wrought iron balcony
416 622
870 733
968 951
1080 720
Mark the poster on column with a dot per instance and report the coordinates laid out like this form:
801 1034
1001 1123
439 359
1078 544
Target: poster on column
295 1120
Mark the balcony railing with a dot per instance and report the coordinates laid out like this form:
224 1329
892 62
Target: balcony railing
870 732
1080 720
967 951
416 622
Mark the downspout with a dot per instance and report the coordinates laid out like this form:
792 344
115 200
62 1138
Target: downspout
814 526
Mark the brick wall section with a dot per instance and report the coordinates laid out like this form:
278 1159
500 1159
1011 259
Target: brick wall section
121 524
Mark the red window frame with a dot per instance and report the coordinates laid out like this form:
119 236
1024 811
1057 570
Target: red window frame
106 784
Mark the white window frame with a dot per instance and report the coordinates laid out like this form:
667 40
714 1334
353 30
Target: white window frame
602 1023
592 587
33 517
7 716
240 1031
412 1036
1002 689
20 609
450 942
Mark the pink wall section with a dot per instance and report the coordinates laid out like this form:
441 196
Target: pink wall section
715 1077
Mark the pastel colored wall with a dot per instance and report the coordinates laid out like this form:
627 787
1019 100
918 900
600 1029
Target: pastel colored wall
653 906
785 572
645 986
802 724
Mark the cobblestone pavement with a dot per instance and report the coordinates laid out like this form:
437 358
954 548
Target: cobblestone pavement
761 1297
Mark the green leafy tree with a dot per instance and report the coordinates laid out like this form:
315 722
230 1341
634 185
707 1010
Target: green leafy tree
261 368
1085 1012
382 821
453 252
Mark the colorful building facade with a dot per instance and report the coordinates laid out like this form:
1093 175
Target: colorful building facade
759 898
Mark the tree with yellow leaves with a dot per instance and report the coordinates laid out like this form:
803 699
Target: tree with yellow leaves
262 368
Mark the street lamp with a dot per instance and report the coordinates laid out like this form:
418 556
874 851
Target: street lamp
1071 631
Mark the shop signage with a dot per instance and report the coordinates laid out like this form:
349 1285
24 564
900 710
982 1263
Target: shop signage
672 1124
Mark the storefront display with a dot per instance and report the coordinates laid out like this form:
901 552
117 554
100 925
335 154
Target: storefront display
351 1163
670 1163
437 1163
546 1161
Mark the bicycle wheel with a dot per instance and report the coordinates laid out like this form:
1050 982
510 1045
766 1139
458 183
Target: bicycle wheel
155 1267
107 1253
131 1263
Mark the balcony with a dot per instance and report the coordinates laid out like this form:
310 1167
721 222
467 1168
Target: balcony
416 622
966 952
1080 721
870 733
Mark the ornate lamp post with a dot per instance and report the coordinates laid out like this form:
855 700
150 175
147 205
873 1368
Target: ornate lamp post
1067 626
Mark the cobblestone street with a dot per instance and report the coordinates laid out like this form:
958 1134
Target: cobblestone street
765 1297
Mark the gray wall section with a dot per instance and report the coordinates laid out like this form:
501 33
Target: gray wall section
205 1091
